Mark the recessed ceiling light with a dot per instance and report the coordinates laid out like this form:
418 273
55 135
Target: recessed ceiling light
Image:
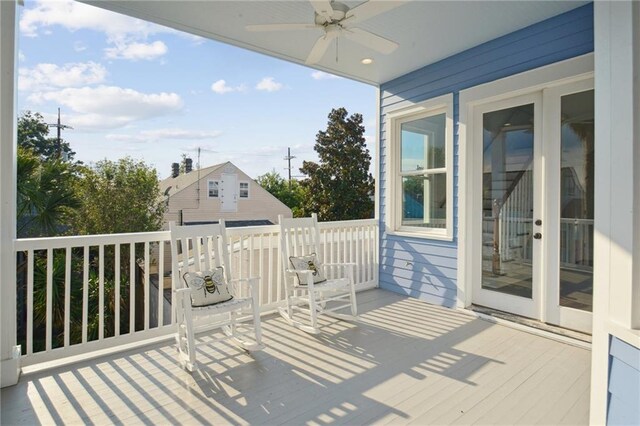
367 61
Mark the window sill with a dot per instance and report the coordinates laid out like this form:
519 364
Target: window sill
419 234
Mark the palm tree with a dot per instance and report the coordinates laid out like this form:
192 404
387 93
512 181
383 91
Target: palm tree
44 194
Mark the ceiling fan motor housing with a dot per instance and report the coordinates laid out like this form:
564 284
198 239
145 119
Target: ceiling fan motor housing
338 13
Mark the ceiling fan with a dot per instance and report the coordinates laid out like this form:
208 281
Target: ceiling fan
336 20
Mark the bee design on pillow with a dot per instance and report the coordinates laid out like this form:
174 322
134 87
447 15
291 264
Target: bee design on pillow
209 285
313 267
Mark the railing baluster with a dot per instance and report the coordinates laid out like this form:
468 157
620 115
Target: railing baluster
85 294
147 299
101 292
271 268
132 288
67 296
30 262
160 284
116 325
49 326
263 294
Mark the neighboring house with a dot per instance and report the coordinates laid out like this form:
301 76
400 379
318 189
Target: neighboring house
219 192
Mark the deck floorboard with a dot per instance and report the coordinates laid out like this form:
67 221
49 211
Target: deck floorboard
406 362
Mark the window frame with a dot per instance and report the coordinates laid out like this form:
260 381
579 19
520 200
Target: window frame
395 119
217 183
240 190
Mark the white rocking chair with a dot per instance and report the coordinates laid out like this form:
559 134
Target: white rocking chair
201 248
300 240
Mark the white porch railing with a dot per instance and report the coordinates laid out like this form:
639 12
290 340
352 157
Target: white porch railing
80 294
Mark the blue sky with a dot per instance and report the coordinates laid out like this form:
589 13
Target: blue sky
130 88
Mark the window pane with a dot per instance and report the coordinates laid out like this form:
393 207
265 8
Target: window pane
424 201
576 201
213 188
507 198
423 143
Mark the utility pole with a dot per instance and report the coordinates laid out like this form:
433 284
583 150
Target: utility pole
289 157
59 126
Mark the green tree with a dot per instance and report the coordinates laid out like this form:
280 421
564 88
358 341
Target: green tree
340 186
291 194
117 197
45 194
33 134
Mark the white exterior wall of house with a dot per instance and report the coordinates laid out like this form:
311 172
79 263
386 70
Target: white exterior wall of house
9 361
259 205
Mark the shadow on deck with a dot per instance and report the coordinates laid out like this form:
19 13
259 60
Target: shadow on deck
406 361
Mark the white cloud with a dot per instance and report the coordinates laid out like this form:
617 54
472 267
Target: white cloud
126 34
52 76
136 51
79 46
321 75
221 87
106 107
268 84
21 56
168 134
75 16
180 134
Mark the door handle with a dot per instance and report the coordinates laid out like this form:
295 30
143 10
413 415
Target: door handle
537 235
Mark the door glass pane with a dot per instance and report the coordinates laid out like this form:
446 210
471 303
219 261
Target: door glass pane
423 143
507 191
424 201
576 201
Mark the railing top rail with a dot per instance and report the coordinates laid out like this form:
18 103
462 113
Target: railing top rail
89 240
347 223
141 237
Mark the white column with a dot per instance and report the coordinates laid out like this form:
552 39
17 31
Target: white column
617 189
9 359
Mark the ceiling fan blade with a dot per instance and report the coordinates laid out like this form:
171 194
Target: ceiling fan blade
319 49
323 8
370 9
371 40
279 27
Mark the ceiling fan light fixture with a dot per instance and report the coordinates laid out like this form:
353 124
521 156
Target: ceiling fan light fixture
367 61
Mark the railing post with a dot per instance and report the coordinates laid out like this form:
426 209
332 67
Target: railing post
9 352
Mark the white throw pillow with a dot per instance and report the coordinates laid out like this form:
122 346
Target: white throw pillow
207 287
304 263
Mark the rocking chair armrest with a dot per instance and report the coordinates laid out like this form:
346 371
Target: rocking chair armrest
252 283
340 264
297 271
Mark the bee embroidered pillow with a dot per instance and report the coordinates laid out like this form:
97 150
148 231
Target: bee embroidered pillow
207 287
307 263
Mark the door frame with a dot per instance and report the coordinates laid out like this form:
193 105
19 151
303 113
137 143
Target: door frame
502 301
536 80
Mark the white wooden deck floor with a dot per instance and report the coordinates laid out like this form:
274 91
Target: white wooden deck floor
407 362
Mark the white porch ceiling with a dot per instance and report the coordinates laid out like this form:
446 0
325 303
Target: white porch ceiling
427 31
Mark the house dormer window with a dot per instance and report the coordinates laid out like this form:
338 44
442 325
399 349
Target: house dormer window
244 189
213 189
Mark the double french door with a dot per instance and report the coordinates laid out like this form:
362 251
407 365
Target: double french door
533 209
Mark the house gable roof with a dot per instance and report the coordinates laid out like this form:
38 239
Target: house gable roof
172 185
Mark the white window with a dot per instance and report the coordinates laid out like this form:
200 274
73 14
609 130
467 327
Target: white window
244 189
421 165
213 189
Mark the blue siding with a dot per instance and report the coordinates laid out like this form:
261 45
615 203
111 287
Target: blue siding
624 384
427 269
